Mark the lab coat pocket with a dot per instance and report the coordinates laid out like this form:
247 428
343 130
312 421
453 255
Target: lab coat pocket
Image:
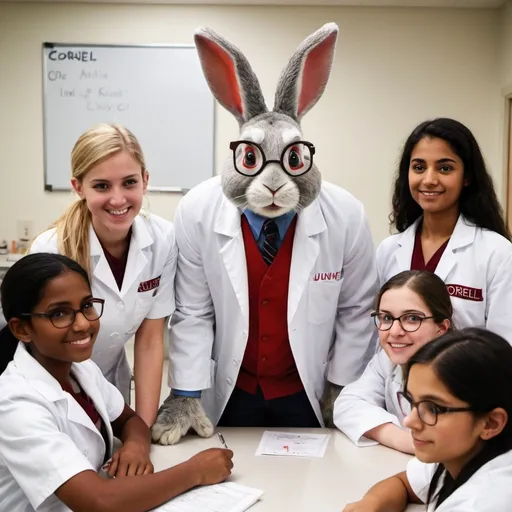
322 300
142 308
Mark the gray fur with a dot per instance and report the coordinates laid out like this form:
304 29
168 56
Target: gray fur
176 416
252 192
287 91
255 193
250 90
331 393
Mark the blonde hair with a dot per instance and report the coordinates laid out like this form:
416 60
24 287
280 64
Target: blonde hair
92 147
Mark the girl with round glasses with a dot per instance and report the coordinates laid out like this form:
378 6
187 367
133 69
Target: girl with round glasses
459 391
412 308
59 414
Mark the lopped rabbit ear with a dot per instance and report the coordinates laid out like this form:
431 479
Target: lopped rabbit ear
229 75
303 80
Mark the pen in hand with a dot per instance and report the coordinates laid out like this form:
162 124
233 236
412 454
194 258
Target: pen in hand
221 438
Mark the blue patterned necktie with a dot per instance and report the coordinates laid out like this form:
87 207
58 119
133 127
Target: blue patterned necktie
269 249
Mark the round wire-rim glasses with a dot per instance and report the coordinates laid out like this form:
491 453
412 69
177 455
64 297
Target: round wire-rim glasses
249 158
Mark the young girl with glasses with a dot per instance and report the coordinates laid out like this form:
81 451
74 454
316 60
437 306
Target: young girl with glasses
412 308
59 413
460 394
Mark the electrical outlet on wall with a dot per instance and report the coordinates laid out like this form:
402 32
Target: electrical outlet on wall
25 229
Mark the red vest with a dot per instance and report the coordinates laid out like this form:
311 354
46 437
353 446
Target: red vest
268 360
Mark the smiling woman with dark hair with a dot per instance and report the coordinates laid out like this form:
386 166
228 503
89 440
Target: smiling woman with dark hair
458 394
60 414
449 222
411 309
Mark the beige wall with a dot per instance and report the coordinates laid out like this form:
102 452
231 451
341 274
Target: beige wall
505 82
394 68
506 45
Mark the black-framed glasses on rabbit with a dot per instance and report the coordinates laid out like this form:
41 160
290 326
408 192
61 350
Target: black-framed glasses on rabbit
249 158
428 411
62 317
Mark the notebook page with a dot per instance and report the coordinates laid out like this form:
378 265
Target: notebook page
224 497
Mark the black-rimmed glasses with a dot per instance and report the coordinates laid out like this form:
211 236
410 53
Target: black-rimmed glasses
63 317
249 158
428 411
410 322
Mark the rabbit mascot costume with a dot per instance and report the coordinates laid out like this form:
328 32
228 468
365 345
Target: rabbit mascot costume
276 270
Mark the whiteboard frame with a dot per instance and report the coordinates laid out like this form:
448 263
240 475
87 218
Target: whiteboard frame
47 44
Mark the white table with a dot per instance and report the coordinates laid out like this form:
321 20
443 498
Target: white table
295 484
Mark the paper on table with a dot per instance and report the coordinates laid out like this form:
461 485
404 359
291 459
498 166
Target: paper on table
224 497
297 445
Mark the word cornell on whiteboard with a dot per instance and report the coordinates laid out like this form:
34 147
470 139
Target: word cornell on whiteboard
157 92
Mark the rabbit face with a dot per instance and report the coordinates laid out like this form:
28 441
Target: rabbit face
253 177
272 192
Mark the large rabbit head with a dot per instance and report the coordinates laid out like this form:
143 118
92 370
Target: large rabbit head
271 169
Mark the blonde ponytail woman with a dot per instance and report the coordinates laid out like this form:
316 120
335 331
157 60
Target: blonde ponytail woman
130 258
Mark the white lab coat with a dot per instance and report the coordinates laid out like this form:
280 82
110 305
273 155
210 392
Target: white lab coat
488 490
152 254
329 324
46 437
474 257
370 401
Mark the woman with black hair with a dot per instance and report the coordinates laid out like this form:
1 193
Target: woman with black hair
58 412
449 221
458 394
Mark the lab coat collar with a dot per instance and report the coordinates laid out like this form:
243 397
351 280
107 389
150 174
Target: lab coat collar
140 240
141 237
47 386
463 234
310 221
306 249
34 373
398 375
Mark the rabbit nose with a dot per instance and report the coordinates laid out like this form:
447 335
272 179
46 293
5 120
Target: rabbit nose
271 189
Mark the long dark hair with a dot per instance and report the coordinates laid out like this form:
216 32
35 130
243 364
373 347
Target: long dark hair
430 287
477 202
474 364
23 287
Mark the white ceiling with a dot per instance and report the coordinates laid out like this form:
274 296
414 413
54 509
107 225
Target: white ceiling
471 4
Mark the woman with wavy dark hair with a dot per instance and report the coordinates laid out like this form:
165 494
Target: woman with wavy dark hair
449 221
458 397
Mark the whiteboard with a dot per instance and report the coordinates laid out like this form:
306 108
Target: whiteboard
157 92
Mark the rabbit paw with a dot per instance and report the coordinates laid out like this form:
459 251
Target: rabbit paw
176 416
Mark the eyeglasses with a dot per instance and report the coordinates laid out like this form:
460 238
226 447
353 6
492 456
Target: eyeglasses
92 309
409 322
249 158
428 411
